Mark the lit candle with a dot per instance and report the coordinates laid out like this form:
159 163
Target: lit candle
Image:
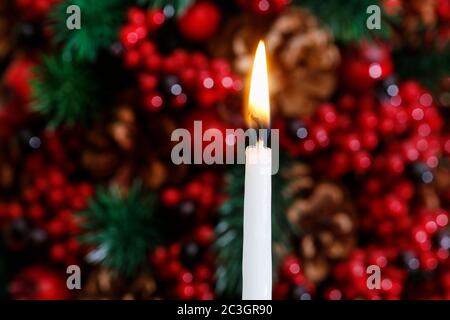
257 251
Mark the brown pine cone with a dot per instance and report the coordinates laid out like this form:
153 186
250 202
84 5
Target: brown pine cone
104 284
302 57
128 146
326 219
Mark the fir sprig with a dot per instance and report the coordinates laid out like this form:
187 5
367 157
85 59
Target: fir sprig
100 23
121 227
229 231
65 92
346 18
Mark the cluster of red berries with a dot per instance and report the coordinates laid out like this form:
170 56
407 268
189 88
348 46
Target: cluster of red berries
35 9
48 203
264 7
354 281
429 240
365 65
363 135
200 195
179 78
15 109
17 77
186 270
39 283
387 204
292 282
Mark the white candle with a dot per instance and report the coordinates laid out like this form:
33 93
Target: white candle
257 250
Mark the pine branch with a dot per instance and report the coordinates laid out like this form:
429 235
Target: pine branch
346 18
100 23
122 228
65 92
230 231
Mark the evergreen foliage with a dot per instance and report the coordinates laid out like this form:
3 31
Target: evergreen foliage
121 227
346 18
65 92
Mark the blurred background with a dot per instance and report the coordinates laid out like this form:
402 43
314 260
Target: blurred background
362 101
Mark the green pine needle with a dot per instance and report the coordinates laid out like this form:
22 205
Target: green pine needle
65 92
100 23
122 228
229 231
346 18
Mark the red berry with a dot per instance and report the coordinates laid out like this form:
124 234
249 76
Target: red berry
58 252
174 250
86 189
290 267
203 273
155 19
147 82
56 197
36 212
136 16
17 77
159 256
328 116
194 190
361 161
129 36
73 245
185 291
200 21
56 228
132 59
15 210
174 268
153 102
56 178
170 197
369 140
153 62
204 235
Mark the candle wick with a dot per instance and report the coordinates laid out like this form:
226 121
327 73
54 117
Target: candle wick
257 121
262 136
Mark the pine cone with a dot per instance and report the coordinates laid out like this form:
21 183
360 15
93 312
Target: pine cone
129 146
303 57
104 284
326 218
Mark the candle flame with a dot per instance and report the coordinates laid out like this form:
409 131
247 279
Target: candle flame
258 101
